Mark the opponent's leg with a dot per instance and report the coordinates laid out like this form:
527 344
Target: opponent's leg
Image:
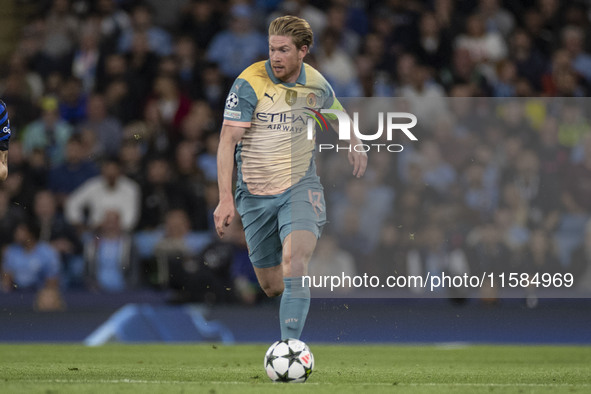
298 247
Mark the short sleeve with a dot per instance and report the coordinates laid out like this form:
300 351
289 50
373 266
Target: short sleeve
240 104
331 101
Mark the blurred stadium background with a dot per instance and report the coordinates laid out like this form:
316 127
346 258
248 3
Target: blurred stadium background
121 101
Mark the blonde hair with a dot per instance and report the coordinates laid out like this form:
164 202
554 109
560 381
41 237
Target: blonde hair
296 28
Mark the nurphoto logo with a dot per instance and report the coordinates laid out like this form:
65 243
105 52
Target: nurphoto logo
387 122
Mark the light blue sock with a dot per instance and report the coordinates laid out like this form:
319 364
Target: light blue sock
293 309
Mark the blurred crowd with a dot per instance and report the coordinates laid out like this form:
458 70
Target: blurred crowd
116 107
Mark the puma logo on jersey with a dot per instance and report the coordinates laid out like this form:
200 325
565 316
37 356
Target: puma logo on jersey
272 98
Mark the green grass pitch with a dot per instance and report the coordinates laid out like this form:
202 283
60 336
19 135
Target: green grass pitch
188 368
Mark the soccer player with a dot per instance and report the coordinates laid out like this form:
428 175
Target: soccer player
4 139
278 194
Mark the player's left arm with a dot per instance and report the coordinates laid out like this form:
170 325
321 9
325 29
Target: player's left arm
357 159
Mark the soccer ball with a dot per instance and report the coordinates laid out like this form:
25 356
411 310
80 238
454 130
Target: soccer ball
289 360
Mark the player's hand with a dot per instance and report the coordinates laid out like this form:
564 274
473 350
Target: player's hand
223 215
359 162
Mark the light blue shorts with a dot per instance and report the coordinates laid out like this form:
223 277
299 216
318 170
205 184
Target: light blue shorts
267 220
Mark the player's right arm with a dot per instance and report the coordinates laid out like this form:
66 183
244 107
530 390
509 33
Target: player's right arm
4 140
224 212
3 165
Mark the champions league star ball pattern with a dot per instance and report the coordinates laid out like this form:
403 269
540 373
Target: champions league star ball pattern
289 360
232 100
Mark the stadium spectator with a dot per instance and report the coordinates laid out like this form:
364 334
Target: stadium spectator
512 223
553 164
452 144
487 252
432 46
21 82
485 47
573 124
368 82
374 47
50 133
158 39
72 101
178 247
55 231
195 126
359 215
539 256
578 187
496 17
577 207
551 15
86 57
162 192
239 46
109 254
171 104
560 80
131 159
73 172
506 82
10 216
433 255
31 265
479 196
580 262
436 172
121 88
212 87
334 62
106 130
113 22
117 95
142 64
525 176
389 256
425 96
573 40
27 175
185 164
186 59
448 17
61 32
530 62
336 21
330 259
417 194
109 191
463 72
207 159
167 13
201 23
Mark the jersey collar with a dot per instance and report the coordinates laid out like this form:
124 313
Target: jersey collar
301 79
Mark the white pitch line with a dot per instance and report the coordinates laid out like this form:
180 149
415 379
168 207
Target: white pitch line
434 384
